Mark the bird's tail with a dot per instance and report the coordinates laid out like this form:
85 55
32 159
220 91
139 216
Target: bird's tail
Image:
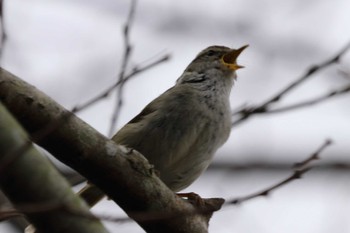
91 194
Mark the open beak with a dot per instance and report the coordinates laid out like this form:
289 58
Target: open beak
230 58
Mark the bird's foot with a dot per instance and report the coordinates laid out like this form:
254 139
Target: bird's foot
193 198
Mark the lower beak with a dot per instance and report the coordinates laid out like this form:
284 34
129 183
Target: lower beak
230 58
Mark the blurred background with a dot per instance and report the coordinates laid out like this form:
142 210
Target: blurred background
72 50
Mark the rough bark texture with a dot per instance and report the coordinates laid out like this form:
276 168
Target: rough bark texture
35 187
124 175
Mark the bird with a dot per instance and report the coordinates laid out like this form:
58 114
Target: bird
180 131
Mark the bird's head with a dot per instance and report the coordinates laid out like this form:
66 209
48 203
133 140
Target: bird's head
217 57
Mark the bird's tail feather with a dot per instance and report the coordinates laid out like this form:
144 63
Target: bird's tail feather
91 194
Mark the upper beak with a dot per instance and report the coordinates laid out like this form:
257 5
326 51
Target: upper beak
229 59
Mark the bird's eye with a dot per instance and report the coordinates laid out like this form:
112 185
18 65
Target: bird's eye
210 53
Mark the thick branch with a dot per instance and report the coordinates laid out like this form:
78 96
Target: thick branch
28 177
125 176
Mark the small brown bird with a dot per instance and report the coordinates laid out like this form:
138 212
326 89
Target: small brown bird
180 131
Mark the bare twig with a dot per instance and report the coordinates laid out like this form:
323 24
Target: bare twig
2 26
245 113
299 170
135 71
125 62
313 157
273 166
123 77
313 101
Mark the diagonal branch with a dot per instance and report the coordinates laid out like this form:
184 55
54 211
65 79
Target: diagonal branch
307 103
30 178
246 113
135 71
123 76
299 170
312 70
124 175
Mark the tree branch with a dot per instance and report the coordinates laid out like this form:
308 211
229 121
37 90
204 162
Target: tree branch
299 170
123 77
246 113
134 72
125 62
124 175
307 103
30 178
3 36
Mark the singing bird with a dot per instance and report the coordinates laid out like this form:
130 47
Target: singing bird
180 131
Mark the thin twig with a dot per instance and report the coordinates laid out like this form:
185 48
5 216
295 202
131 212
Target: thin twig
313 157
123 77
310 102
285 166
245 113
124 65
299 170
135 71
2 26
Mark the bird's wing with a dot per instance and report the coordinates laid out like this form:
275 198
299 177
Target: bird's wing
164 128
